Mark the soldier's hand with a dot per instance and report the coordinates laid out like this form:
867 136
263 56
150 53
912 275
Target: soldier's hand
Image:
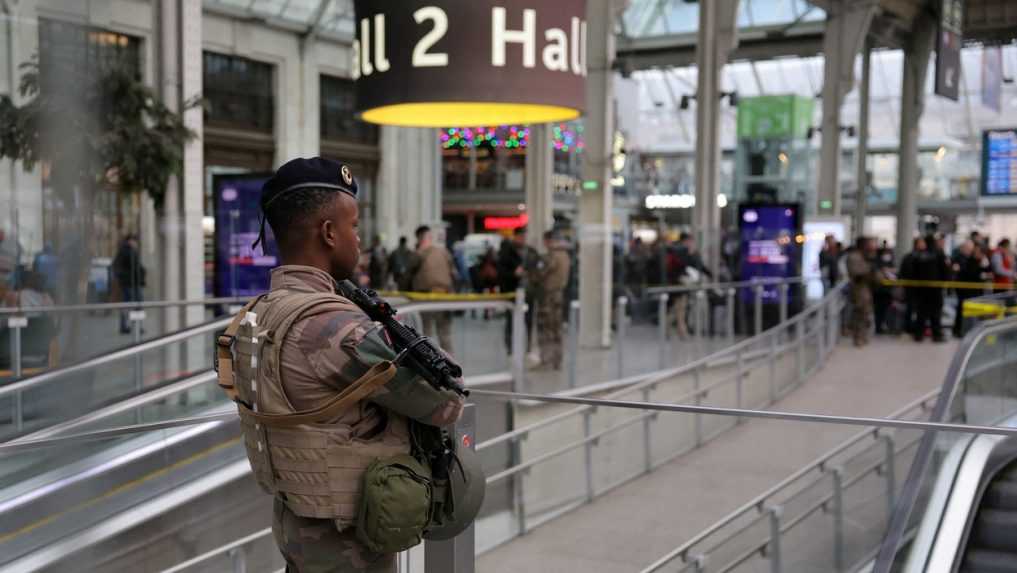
448 413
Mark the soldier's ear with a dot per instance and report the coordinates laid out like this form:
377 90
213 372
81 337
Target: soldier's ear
328 232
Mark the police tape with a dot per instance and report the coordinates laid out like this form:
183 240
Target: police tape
957 285
445 296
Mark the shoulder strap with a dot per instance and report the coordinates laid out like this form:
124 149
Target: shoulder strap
361 388
224 350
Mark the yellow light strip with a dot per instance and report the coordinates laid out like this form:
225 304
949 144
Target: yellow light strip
467 114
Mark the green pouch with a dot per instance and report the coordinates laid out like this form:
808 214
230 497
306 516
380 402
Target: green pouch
395 504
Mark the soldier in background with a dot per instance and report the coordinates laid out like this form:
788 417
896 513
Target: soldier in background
553 277
435 273
862 274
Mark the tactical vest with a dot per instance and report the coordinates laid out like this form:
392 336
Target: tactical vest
308 459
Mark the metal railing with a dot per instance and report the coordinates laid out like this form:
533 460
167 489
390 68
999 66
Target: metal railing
753 373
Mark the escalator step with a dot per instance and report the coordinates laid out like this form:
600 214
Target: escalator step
983 561
996 530
1001 495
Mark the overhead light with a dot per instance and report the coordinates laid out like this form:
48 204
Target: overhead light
940 153
721 200
670 201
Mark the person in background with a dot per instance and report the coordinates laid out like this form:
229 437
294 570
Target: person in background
47 264
1003 268
930 265
908 272
882 295
513 256
862 276
553 277
828 259
399 263
687 269
484 275
972 266
129 274
435 274
377 266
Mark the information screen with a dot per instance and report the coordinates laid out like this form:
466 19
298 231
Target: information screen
771 246
239 269
999 162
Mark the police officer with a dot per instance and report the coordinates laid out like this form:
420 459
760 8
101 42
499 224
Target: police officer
302 349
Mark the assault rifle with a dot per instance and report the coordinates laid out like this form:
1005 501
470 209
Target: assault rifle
416 351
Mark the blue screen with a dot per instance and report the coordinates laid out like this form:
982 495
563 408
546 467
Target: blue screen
999 162
770 246
239 269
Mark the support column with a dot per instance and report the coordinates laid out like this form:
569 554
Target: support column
916 65
539 193
716 37
596 200
862 151
409 183
847 23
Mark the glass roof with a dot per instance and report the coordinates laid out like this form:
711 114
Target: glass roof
329 17
645 18
658 124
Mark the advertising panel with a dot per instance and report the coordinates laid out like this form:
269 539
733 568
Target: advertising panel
771 246
239 269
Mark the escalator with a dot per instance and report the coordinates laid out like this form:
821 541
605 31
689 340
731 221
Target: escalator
991 541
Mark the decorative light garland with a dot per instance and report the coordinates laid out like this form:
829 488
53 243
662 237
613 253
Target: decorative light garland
565 137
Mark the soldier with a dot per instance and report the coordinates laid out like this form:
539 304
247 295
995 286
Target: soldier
553 278
863 278
434 273
301 350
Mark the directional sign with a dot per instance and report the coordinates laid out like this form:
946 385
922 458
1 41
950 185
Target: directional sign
948 46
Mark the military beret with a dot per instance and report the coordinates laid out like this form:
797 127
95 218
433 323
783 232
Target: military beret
301 173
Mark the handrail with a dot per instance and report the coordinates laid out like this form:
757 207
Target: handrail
759 500
121 305
917 474
761 281
219 551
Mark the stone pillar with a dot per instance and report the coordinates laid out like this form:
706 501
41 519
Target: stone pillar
596 200
716 37
539 192
862 175
408 193
916 65
847 23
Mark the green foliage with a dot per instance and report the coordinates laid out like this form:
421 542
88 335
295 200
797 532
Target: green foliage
96 127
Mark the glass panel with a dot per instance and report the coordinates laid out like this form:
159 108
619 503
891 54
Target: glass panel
238 93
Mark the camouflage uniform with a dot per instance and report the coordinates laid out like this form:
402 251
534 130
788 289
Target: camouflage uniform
323 352
863 279
554 277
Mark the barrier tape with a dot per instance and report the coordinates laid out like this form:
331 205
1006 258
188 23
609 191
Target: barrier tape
947 284
445 296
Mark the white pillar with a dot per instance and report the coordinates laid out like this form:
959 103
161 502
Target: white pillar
717 36
916 65
409 182
847 23
539 193
862 151
595 203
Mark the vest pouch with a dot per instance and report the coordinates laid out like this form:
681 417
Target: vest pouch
395 504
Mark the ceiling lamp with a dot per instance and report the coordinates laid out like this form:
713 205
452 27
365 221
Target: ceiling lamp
437 63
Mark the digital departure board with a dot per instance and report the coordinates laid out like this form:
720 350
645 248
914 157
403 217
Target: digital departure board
999 162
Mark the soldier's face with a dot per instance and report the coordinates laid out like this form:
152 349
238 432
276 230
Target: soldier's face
340 233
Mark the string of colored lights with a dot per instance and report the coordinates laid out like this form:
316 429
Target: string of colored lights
565 137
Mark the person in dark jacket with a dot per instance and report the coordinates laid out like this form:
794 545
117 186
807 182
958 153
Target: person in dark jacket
930 265
130 276
513 258
908 272
399 263
972 266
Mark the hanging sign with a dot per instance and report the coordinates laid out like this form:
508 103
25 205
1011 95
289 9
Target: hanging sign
435 63
948 47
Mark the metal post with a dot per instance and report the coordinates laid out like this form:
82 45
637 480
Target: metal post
137 318
772 359
782 290
739 383
519 341
696 384
239 558
15 324
890 472
758 303
821 332
731 313
573 341
698 563
662 330
588 451
620 320
776 512
647 422
702 320
456 555
800 348
518 485
838 519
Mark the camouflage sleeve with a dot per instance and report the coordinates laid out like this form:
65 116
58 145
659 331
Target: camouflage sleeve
407 393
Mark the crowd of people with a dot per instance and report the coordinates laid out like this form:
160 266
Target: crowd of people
431 268
909 297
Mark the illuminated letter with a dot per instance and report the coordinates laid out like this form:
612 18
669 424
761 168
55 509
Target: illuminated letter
365 48
380 61
500 36
556 50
